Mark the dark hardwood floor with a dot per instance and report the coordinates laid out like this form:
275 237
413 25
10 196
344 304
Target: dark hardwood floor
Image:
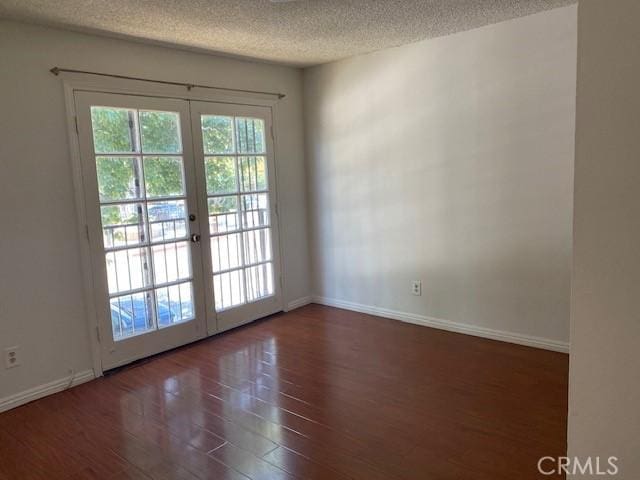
318 393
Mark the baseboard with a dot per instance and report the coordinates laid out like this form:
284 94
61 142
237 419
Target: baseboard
40 391
518 338
299 302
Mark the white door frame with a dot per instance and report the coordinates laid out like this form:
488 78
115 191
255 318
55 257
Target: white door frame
81 82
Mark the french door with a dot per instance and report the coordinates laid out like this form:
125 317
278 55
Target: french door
182 240
234 162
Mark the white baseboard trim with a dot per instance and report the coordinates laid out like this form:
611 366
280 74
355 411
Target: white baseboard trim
40 391
518 338
299 302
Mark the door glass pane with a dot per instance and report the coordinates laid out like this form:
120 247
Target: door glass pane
217 134
160 132
167 220
250 135
128 269
114 130
119 178
228 289
171 262
174 304
131 314
164 177
226 252
259 280
253 174
255 210
221 175
257 246
123 225
223 216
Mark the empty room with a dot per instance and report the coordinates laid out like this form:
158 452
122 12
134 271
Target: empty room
319 239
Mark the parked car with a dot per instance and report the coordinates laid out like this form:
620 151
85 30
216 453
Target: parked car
131 316
166 211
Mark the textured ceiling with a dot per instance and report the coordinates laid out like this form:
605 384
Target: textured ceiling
302 32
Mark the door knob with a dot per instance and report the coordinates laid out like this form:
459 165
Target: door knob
195 238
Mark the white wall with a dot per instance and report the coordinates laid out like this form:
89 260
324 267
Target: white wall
450 161
41 302
604 387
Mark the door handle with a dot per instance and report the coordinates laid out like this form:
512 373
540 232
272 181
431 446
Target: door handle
195 238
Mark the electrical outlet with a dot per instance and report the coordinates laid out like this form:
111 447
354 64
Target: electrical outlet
416 287
12 357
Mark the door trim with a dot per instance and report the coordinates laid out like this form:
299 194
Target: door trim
78 82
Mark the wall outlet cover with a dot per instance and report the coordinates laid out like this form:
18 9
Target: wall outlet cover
12 357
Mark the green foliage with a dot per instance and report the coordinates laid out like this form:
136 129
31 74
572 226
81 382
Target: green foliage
217 134
221 175
163 176
253 173
111 215
116 177
111 132
160 132
120 178
116 215
220 205
250 133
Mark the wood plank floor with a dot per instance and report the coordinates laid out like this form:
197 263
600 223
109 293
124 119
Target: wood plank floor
318 393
